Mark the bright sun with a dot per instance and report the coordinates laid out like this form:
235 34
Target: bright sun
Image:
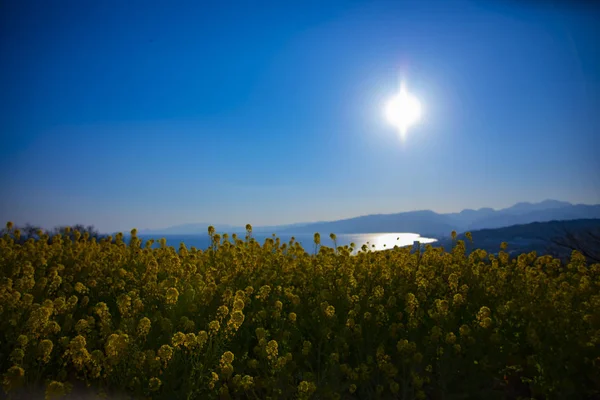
403 110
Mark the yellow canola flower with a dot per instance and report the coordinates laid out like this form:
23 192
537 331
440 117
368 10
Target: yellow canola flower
171 296
112 310
227 357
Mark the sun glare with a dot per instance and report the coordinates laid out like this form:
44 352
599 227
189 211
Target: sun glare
403 110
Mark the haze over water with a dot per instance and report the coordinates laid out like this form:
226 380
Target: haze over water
375 241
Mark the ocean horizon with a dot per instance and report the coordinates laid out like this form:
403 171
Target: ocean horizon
375 241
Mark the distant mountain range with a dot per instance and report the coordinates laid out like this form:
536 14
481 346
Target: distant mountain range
427 223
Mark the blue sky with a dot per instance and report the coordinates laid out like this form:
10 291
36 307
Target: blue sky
151 114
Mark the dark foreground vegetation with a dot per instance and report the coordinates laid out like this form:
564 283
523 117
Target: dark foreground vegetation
253 320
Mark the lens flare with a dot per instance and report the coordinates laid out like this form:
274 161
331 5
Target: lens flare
403 110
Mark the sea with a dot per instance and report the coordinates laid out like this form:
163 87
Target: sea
375 241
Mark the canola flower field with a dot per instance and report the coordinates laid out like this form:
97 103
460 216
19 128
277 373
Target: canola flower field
249 320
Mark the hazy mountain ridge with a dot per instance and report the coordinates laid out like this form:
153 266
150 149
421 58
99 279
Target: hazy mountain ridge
508 218
432 224
425 222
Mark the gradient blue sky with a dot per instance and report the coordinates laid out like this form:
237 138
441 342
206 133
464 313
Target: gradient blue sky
148 114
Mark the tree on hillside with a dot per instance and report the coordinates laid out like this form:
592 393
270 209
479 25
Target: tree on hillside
90 230
25 232
585 241
29 231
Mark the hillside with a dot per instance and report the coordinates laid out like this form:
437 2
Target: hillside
536 236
